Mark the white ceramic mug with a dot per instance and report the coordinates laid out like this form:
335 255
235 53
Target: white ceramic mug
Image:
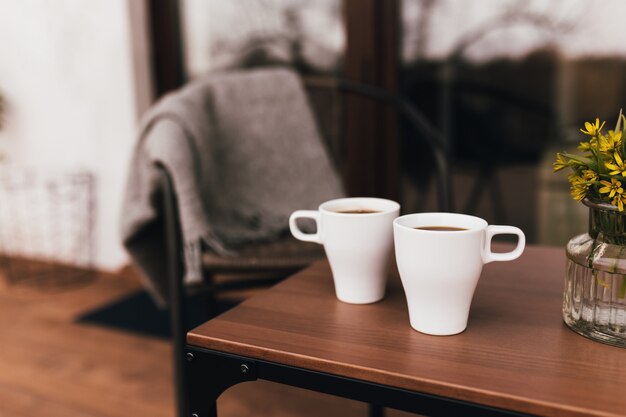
440 269
357 245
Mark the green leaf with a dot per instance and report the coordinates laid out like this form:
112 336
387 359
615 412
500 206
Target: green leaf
601 168
583 160
621 124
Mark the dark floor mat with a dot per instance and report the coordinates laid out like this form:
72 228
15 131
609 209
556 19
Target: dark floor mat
138 313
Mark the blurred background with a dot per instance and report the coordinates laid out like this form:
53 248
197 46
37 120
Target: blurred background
507 82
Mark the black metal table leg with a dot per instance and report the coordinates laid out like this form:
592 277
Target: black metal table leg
209 376
375 410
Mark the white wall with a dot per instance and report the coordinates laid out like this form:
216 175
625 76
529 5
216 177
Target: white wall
66 75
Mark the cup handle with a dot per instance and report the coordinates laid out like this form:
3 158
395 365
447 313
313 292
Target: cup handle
297 233
489 256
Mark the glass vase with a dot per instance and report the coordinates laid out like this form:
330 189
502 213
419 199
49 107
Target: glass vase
594 302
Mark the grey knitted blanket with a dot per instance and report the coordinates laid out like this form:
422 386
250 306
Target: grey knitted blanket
243 151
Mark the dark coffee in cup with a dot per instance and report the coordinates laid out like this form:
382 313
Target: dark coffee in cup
357 211
442 228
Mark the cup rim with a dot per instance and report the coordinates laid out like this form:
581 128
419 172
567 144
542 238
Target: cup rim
471 223
392 206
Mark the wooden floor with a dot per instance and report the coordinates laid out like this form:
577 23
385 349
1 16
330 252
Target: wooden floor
51 366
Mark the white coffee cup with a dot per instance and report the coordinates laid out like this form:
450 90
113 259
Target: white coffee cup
440 269
357 245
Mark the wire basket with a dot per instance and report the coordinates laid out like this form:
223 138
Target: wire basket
46 227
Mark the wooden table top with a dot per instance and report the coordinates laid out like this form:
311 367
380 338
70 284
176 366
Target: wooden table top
516 352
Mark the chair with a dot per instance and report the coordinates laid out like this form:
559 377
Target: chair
277 259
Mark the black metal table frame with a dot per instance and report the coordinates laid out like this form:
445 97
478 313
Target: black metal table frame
209 373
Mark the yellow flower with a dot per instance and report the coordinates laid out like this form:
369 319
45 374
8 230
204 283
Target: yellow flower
560 163
599 171
593 129
610 142
579 187
614 187
586 146
590 175
618 167
579 190
574 178
618 201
